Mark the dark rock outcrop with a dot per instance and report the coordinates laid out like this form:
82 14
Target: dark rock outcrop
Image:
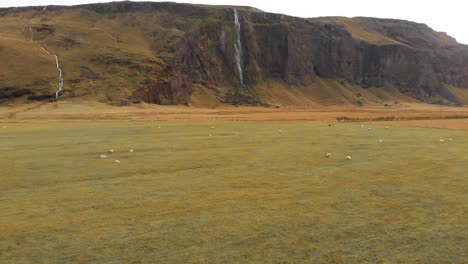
419 61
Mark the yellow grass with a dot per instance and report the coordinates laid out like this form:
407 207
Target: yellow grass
249 193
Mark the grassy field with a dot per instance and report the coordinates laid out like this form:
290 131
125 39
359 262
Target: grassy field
232 192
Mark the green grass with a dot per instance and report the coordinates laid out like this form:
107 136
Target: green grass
246 194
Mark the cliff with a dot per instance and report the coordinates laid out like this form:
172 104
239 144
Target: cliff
167 53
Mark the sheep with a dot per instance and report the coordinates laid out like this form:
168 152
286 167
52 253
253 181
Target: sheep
111 151
130 151
117 161
102 156
348 157
328 155
280 131
441 140
380 140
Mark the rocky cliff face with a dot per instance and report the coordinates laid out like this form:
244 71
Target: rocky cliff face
168 53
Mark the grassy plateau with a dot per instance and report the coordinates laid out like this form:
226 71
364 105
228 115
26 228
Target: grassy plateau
232 192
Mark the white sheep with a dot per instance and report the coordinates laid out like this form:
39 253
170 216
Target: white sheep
348 157
380 140
328 155
102 156
441 140
130 151
111 151
117 161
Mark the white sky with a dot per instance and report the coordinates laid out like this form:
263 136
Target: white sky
442 15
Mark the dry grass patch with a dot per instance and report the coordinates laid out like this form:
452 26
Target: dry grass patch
246 194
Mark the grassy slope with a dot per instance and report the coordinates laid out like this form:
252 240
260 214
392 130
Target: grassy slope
22 60
361 31
329 92
142 40
460 94
248 193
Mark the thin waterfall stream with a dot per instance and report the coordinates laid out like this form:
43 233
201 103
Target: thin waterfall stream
238 47
57 62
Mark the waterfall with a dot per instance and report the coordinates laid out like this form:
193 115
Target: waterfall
238 47
222 37
46 51
60 88
57 63
32 33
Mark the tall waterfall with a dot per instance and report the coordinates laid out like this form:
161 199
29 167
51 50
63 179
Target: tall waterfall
238 47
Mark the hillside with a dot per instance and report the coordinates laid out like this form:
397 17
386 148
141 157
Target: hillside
168 53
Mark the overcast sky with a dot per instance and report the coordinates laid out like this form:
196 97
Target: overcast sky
442 15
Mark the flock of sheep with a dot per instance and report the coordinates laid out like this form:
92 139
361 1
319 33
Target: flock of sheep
110 151
328 155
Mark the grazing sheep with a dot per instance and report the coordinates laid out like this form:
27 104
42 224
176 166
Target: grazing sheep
441 140
328 155
130 151
380 140
117 161
103 156
111 151
348 157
